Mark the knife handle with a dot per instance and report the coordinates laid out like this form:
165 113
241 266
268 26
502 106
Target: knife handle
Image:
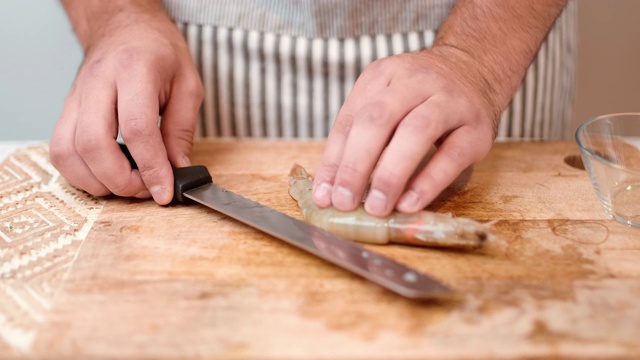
184 178
187 178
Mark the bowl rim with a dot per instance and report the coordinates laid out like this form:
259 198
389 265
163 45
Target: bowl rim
596 156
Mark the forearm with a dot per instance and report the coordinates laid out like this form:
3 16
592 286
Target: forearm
499 37
90 17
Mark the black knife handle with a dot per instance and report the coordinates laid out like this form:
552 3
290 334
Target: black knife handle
187 178
127 153
184 178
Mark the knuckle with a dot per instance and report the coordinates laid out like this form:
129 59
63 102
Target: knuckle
349 175
86 143
149 170
376 114
385 179
343 124
60 153
350 169
120 187
380 66
130 58
93 69
456 155
425 185
326 172
183 135
328 168
93 188
419 123
134 126
193 87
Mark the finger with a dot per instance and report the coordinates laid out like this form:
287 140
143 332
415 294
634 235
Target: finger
459 150
95 141
138 113
63 154
370 132
367 85
179 120
323 181
411 142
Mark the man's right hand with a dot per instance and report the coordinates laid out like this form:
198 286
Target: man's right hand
136 67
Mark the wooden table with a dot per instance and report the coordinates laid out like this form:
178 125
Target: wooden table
123 278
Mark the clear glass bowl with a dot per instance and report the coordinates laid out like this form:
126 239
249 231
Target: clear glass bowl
610 150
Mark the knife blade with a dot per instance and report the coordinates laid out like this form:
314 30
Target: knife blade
194 183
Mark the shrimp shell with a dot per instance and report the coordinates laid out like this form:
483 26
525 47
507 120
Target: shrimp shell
424 228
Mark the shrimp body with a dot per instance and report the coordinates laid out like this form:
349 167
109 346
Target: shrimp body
424 228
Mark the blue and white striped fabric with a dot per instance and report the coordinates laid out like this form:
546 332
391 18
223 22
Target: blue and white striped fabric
282 68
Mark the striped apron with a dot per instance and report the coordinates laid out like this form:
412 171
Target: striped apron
282 68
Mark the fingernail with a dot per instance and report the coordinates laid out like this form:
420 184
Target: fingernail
143 194
322 194
376 203
409 202
342 198
160 194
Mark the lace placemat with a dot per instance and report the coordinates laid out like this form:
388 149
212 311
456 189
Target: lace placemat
43 223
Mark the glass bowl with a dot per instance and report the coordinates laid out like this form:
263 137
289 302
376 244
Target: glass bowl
610 150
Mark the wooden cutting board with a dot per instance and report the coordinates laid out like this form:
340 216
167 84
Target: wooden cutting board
123 278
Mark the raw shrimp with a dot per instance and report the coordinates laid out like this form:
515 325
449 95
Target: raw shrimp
424 228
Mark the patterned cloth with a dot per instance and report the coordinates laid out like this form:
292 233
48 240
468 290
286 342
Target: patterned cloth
43 223
282 68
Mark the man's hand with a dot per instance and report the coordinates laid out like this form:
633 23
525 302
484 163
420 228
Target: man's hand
398 109
136 67
451 95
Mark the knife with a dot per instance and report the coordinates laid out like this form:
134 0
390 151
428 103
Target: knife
194 183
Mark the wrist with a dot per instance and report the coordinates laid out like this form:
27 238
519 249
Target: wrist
498 39
93 18
481 83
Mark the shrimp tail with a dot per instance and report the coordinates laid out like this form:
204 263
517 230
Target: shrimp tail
300 190
427 228
298 173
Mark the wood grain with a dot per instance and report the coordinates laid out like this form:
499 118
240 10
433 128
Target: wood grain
561 280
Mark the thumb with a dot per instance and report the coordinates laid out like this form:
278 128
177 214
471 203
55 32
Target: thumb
179 121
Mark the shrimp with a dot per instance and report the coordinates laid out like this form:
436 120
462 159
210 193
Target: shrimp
424 228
